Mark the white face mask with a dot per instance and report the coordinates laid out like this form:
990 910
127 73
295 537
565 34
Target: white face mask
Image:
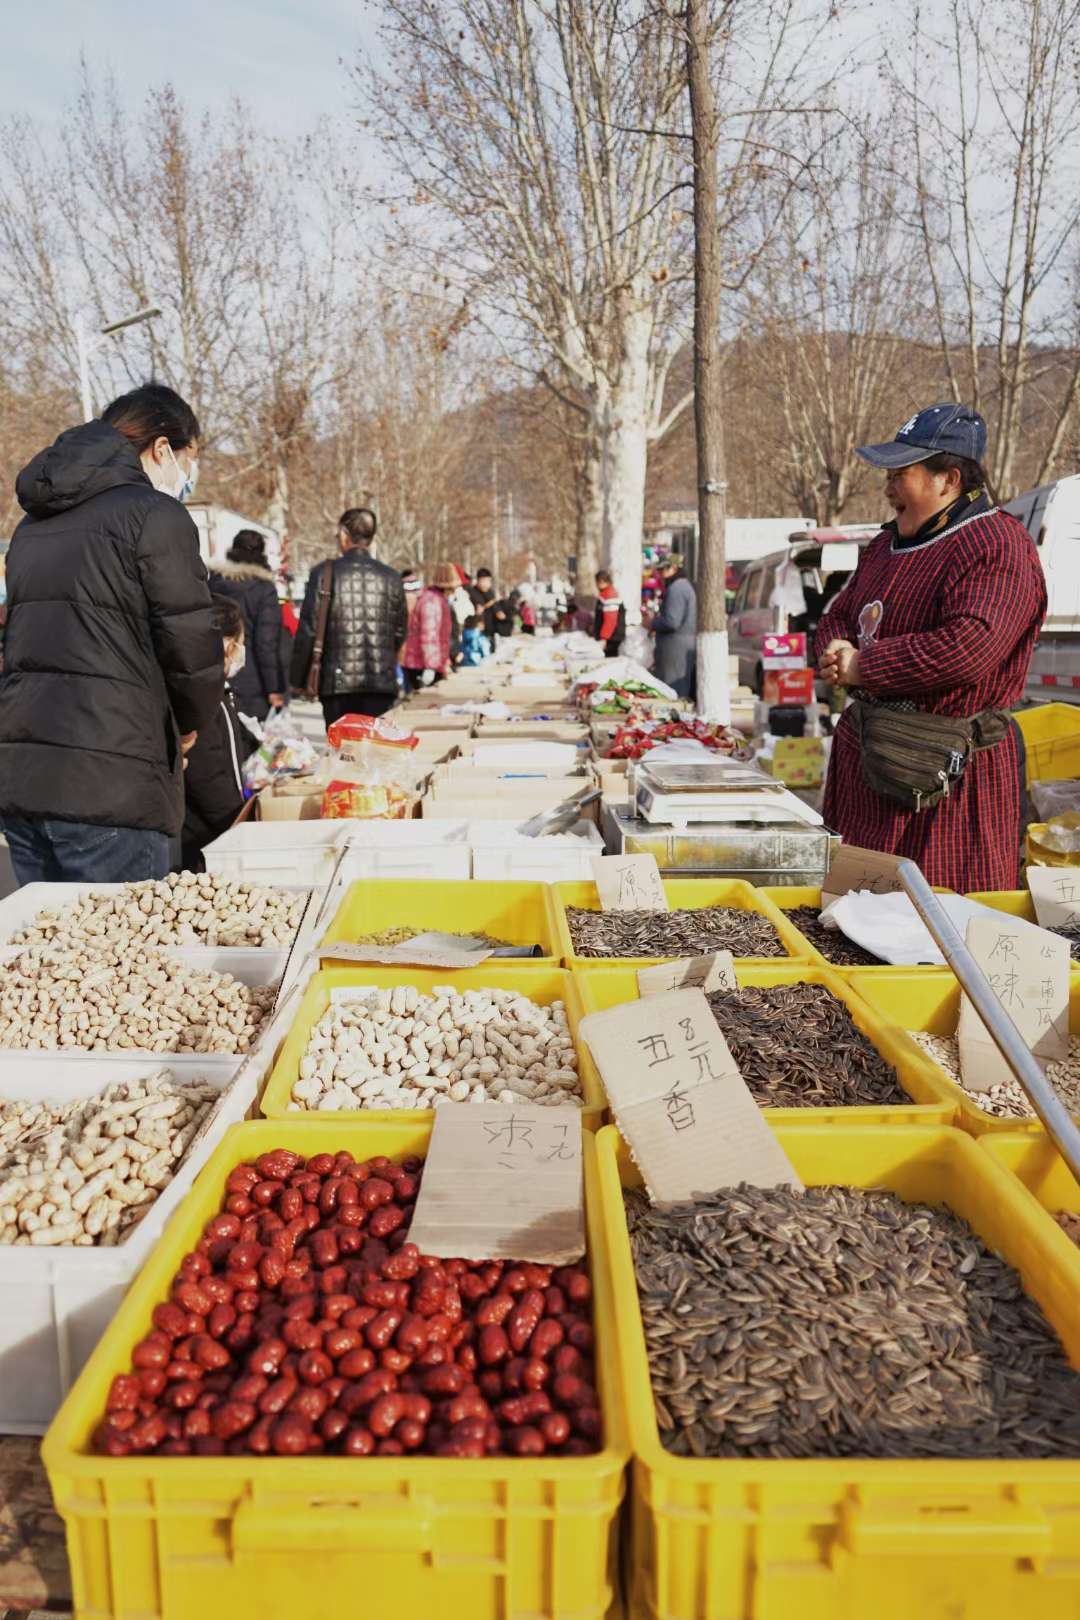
180 485
235 662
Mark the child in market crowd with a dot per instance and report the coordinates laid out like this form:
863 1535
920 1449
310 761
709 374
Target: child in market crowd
475 646
213 785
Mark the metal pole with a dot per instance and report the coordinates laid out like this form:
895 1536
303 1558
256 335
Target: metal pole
1059 1123
84 370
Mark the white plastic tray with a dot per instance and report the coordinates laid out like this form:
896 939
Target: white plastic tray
56 1303
501 853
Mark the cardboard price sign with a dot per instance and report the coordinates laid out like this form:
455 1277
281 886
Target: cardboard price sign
856 868
1028 970
1055 892
629 883
713 972
502 1183
680 1100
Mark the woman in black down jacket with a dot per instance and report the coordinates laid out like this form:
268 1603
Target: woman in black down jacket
112 662
247 580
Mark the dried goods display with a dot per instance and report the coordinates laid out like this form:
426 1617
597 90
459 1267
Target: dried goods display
842 1323
797 1046
1071 932
1007 1099
1069 1223
186 909
672 933
402 1048
304 1323
125 999
401 936
86 1172
833 943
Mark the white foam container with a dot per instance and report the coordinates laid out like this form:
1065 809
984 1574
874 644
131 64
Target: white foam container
253 968
56 1303
500 853
278 853
407 849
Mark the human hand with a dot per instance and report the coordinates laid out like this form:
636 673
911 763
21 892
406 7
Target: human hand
829 666
187 741
277 700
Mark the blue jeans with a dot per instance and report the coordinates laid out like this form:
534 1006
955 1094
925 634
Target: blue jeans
53 851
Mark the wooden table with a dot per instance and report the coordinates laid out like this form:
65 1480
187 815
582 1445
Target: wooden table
34 1573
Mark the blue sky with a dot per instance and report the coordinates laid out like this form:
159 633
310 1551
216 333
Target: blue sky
282 57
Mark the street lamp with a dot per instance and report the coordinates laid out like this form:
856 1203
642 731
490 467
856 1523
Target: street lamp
87 345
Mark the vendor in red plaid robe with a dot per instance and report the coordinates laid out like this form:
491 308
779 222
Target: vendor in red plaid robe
941 615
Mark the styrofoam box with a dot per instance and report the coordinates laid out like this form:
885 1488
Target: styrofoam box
500 852
393 849
278 852
56 1303
18 910
250 967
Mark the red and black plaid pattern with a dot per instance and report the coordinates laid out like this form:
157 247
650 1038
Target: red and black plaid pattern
959 614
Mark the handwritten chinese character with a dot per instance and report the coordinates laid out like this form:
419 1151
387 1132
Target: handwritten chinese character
1004 986
1005 946
657 1048
680 1110
517 1134
700 1054
1066 888
1048 989
563 1150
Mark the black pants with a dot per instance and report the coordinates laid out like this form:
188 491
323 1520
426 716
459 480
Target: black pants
375 703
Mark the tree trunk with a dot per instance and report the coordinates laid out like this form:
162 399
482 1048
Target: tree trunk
626 449
713 689
590 522
277 507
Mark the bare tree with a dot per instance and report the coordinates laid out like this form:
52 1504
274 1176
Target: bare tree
993 110
834 304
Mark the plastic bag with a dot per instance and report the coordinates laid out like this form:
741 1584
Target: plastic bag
282 751
374 769
1055 798
638 644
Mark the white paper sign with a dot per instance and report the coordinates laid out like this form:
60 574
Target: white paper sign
712 972
1055 892
629 883
1028 970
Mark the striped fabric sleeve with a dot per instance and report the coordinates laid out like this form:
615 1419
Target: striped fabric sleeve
985 609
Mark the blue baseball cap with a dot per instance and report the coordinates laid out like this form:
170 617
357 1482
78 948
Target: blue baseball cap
954 430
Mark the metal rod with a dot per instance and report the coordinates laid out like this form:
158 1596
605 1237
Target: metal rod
1059 1123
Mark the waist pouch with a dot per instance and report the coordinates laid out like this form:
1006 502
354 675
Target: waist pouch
915 758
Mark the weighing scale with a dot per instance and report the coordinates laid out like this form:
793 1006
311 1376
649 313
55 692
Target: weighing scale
723 791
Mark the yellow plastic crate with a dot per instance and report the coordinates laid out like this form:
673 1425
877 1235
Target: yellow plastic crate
1036 1163
540 983
683 894
387 1538
1051 733
787 898
931 1104
931 1001
519 913
851 1539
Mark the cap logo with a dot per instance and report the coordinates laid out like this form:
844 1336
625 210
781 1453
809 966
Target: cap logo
908 426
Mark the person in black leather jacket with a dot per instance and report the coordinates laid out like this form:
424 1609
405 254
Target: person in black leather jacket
367 625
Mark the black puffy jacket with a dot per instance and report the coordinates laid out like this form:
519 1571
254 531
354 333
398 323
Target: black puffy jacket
213 781
368 623
253 590
111 651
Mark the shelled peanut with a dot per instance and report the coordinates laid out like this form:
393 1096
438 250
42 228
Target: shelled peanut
402 1048
115 998
86 1172
304 1322
187 909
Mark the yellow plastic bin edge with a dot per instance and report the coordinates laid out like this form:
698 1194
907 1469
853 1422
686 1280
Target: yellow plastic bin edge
938 1108
108 1496
277 1091
734 892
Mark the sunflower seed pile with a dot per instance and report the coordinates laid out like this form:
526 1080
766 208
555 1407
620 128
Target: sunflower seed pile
1070 1224
841 1323
833 943
1007 1099
1071 932
797 1046
401 936
672 933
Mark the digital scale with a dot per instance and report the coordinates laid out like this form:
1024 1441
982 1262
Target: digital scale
723 791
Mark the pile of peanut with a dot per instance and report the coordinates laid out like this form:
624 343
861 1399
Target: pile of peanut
402 1048
121 999
86 1172
187 908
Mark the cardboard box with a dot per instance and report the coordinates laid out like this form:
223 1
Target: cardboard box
784 652
798 761
293 799
788 686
